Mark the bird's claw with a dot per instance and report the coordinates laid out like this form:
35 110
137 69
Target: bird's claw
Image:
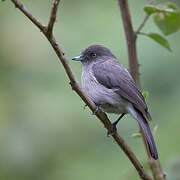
113 130
96 110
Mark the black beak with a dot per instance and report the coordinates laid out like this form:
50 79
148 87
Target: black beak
78 58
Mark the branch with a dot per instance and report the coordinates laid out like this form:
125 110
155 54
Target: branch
52 17
76 87
132 53
131 41
134 70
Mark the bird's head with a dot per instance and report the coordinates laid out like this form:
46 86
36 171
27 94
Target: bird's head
94 53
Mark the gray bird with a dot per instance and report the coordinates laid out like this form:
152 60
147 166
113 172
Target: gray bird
111 87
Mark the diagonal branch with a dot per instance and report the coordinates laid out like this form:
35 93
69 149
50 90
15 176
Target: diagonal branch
52 17
76 87
134 70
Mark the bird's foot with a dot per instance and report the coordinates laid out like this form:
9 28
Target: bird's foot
97 109
113 130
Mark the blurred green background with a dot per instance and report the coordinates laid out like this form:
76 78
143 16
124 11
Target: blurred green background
44 131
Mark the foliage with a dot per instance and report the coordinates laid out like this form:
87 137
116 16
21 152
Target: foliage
167 19
159 39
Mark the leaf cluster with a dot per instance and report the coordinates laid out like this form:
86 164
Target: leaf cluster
167 18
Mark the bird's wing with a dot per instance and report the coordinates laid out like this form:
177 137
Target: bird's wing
114 76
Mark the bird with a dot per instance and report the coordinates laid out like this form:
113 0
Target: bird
111 87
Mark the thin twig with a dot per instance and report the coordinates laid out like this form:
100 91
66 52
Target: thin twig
52 17
134 69
142 33
76 87
144 20
142 24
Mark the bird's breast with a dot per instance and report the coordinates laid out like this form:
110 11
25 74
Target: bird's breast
109 100
91 86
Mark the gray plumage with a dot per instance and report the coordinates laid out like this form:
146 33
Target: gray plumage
111 87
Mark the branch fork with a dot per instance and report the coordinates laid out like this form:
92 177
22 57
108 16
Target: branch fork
52 18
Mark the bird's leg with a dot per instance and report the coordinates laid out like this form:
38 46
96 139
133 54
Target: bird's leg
116 122
114 129
97 109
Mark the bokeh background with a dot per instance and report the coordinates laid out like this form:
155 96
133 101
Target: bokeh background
44 131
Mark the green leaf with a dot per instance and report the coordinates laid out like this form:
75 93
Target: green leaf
165 16
168 19
150 9
136 135
163 8
145 95
159 39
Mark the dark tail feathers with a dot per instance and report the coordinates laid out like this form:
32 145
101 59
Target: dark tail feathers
149 137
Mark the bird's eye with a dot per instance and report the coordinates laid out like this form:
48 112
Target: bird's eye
93 55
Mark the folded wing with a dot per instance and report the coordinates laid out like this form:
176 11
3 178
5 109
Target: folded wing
114 76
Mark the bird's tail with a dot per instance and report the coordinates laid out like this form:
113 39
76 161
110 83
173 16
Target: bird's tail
149 137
